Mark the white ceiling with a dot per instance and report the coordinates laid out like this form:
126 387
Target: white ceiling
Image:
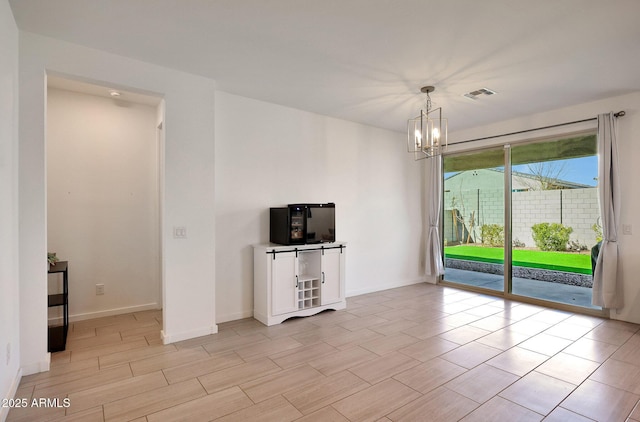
365 60
102 91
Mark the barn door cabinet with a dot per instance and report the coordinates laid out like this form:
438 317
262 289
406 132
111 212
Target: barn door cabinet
301 280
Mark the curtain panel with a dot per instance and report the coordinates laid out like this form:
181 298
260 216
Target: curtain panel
605 285
434 265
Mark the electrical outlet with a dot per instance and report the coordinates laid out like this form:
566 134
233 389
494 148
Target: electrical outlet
99 289
627 229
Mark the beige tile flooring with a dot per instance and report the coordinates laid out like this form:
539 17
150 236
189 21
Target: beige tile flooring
417 353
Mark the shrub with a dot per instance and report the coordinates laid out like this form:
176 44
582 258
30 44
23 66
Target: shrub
551 236
598 230
492 234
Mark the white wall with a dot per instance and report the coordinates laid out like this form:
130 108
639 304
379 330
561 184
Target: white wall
102 201
629 153
188 197
268 155
9 286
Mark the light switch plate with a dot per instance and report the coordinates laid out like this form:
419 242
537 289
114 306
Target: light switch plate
179 232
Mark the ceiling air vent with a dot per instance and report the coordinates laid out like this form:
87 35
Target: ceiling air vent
477 93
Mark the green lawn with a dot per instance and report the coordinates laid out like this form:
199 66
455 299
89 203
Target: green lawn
558 261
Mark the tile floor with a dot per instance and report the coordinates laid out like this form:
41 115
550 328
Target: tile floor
417 353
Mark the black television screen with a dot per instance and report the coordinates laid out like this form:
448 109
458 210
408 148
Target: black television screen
321 223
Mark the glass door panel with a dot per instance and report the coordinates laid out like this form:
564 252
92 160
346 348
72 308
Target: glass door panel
555 219
473 219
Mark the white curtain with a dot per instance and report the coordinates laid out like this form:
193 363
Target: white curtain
605 288
434 265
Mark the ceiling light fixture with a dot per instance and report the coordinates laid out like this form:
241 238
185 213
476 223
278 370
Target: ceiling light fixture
427 133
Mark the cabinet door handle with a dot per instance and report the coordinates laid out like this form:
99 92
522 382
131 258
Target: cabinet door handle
323 277
296 281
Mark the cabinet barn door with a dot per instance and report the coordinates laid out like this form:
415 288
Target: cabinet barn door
284 283
332 276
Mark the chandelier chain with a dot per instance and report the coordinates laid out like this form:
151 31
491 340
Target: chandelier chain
427 103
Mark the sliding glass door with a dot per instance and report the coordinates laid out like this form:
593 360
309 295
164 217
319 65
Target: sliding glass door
522 220
473 218
554 219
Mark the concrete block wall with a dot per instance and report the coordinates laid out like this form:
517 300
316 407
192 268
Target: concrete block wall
576 208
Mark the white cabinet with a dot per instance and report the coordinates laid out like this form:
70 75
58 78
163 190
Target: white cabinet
297 280
284 271
332 276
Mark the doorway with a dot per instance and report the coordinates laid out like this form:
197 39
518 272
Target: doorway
103 196
521 220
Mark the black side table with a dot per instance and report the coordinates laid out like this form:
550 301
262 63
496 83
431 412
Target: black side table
58 333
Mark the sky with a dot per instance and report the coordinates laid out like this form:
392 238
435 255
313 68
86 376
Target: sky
578 170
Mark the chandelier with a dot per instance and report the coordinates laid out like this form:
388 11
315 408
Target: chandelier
427 133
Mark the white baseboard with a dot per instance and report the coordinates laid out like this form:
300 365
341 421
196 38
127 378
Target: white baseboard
234 317
186 335
108 312
379 288
34 368
249 313
4 411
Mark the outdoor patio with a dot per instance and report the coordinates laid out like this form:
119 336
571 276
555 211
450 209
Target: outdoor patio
555 292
